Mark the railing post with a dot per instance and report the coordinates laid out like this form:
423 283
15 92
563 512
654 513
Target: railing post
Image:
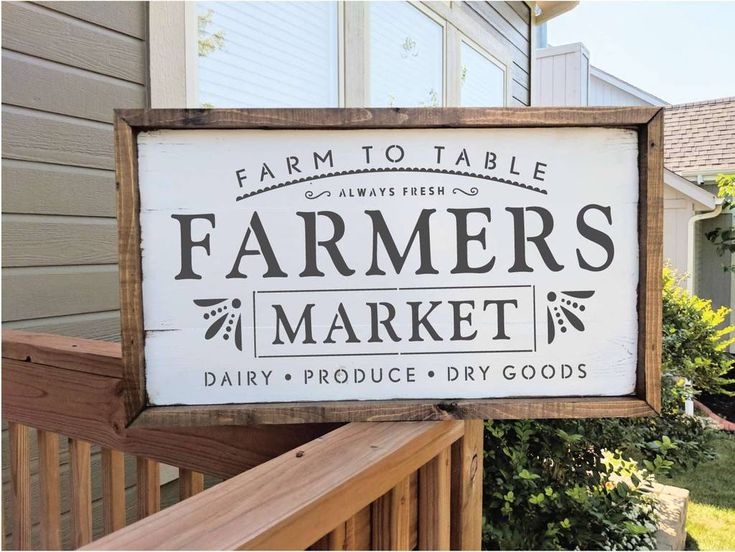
20 484
467 467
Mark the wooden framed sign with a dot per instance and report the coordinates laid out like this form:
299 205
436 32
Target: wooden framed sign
319 265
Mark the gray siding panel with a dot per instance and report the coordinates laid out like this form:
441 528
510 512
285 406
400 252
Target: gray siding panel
48 86
44 292
44 33
125 17
45 189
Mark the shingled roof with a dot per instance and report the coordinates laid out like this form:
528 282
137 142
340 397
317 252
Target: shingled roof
700 136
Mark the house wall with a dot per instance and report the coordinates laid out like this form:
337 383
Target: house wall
510 23
603 93
562 73
678 209
66 66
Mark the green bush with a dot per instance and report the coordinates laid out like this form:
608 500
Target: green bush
558 485
694 342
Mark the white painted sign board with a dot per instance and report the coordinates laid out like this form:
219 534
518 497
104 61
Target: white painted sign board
320 265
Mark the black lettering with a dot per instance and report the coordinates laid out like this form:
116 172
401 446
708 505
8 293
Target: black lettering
187 244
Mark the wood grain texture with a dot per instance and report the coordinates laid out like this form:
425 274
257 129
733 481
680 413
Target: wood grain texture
335 118
81 355
82 397
20 484
55 88
128 207
353 534
113 490
149 487
30 135
190 483
81 492
47 34
434 496
467 458
49 240
50 490
30 293
651 168
45 189
296 498
391 521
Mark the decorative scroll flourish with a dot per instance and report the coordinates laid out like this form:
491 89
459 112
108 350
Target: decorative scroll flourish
473 191
565 308
392 169
309 194
225 316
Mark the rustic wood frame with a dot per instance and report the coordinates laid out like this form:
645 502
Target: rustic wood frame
647 121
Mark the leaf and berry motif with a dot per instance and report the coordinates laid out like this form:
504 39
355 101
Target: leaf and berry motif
225 316
565 308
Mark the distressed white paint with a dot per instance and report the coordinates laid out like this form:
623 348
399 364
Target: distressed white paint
193 172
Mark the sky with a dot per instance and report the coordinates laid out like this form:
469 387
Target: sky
679 51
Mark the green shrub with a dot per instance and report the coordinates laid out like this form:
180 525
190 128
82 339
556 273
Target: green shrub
694 342
557 485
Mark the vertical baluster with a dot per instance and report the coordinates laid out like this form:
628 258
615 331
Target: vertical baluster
343 537
149 487
81 492
467 458
392 519
49 490
190 483
20 483
434 502
113 490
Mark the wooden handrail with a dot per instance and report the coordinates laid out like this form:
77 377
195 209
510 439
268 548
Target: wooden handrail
293 500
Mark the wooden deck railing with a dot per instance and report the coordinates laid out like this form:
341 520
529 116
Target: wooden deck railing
321 486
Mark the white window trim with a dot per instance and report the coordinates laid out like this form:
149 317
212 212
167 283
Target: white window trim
507 78
173 56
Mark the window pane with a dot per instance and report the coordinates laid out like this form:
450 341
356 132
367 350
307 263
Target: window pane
483 82
268 54
406 49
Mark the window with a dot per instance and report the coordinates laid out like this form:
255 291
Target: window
482 80
406 56
268 54
324 54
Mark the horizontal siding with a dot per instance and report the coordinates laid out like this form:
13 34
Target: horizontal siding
57 240
45 189
47 34
96 325
125 17
509 23
53 87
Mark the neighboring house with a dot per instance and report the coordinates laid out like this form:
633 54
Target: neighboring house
67 65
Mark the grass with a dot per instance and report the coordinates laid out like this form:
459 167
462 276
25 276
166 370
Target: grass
711 514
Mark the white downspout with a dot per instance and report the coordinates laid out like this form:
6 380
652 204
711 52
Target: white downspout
690 240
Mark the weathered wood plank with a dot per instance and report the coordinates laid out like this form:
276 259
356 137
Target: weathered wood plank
89 406
43 189
190 483
31 240
50 490
149 487
47 34
81 492
391 527
41 292
48 86
416 117
36 136
83 355
113 490
268 508
124 17
466 472
434 498
20 480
